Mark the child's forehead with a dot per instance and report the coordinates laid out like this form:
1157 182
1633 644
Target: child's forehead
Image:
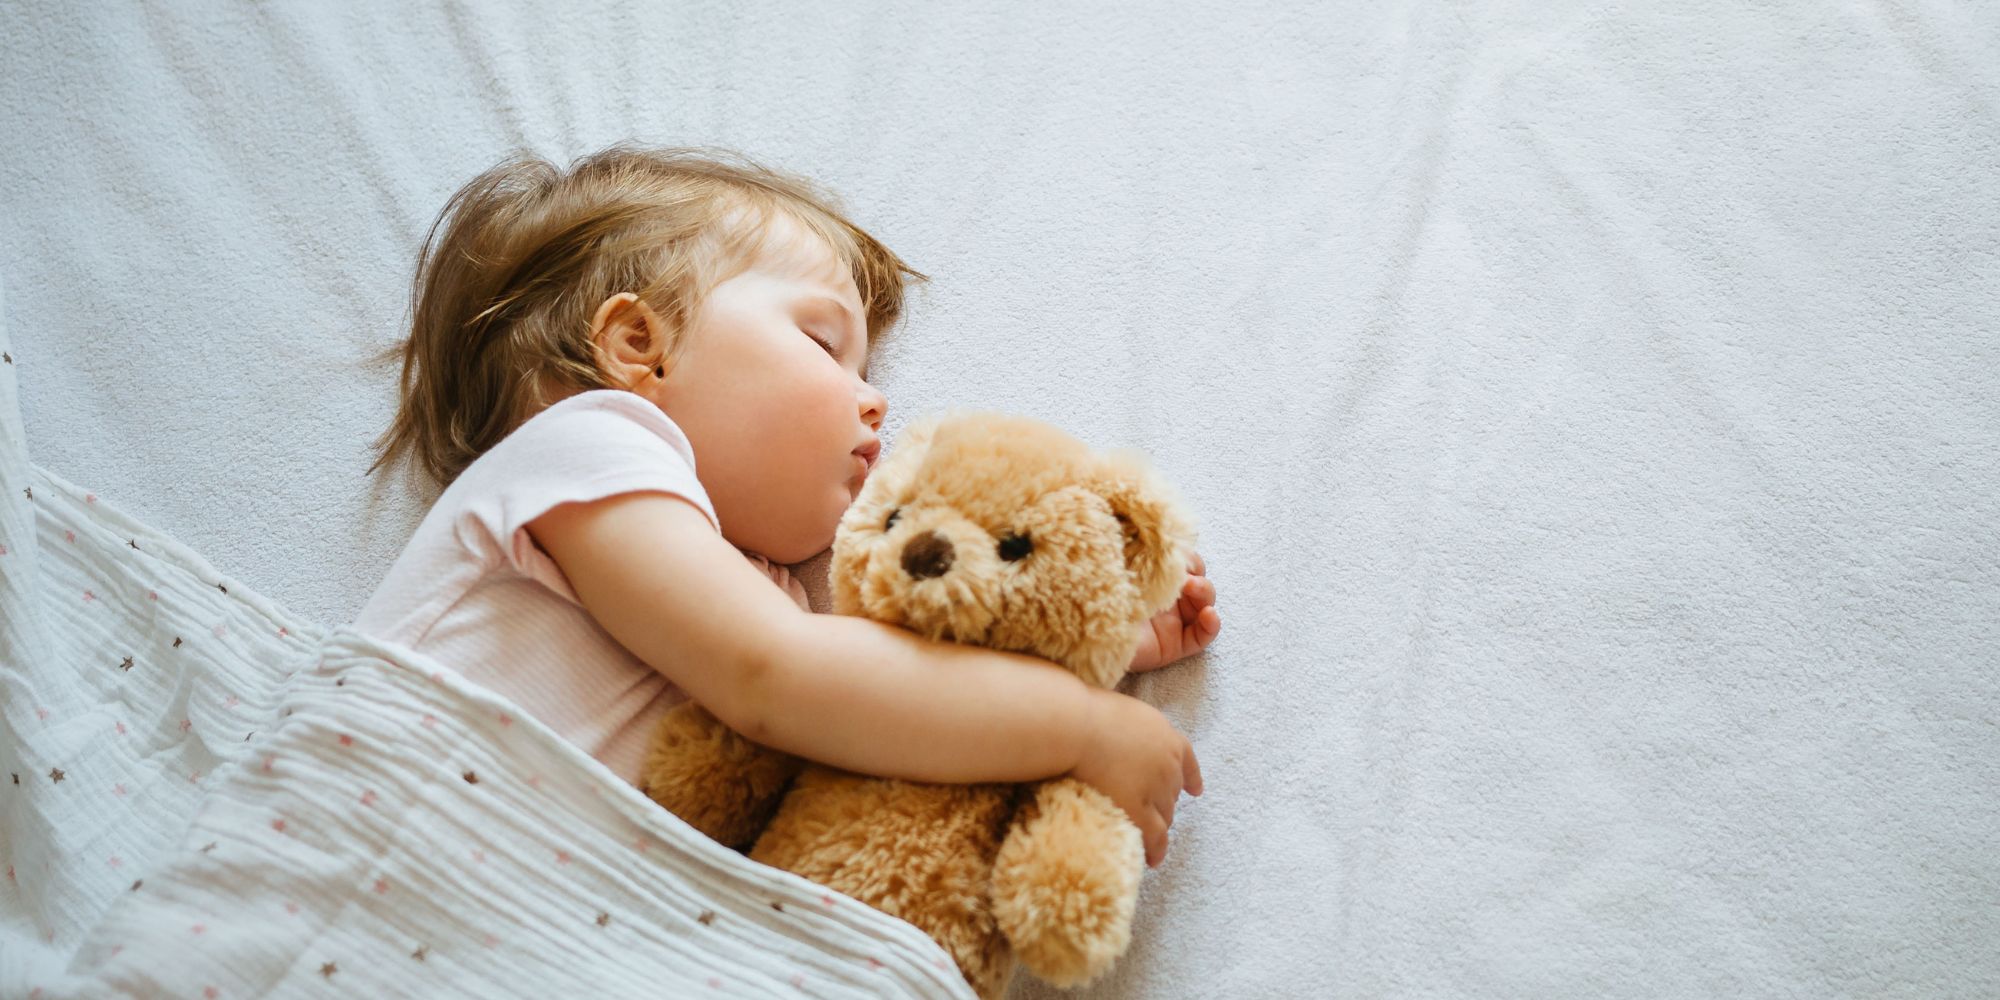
793 251
786 249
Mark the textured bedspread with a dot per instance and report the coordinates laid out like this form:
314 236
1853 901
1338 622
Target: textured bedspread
1592 412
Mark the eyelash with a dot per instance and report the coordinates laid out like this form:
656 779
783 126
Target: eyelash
828 348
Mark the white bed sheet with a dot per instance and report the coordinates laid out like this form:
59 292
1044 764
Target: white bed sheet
1590 409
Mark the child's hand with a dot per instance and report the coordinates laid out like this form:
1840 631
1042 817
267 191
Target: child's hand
1141 762
1182 630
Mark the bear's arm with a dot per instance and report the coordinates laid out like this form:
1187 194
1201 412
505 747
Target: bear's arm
711 777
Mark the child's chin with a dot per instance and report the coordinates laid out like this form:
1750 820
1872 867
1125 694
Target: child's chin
808 546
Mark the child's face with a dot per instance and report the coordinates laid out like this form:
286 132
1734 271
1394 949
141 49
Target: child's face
775 419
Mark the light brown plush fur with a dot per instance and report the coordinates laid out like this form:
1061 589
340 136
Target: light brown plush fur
1047 872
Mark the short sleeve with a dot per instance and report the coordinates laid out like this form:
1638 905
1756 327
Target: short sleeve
590 446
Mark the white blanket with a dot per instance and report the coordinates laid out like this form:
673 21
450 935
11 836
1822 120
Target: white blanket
206 795
1589 407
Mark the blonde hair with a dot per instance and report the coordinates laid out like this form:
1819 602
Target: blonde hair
517 263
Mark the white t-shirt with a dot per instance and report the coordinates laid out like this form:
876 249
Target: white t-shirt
473 590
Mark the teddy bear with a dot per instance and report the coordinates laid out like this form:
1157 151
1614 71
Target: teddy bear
998 531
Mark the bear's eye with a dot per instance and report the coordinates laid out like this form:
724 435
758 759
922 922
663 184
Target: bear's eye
893 515
1014 548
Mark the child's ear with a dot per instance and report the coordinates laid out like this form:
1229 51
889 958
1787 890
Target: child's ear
1159 539
629 341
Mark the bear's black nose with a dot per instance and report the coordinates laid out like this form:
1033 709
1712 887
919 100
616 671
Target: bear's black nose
927 555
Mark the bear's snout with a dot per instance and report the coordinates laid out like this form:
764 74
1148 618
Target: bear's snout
927 555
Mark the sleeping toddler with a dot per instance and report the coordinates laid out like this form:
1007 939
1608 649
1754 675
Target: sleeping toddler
643 385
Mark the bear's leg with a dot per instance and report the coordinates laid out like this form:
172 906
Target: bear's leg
711 777
1066 882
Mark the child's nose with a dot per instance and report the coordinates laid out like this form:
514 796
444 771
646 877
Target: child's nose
874 406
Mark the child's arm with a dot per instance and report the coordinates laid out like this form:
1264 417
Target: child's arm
846 691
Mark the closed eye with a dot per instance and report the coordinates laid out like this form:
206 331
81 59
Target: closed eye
823 345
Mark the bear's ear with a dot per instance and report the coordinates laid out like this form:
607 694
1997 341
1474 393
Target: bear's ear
913 440
1159 540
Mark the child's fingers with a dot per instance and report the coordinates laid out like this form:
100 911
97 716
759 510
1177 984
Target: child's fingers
1198 595
1200 630
1196 566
